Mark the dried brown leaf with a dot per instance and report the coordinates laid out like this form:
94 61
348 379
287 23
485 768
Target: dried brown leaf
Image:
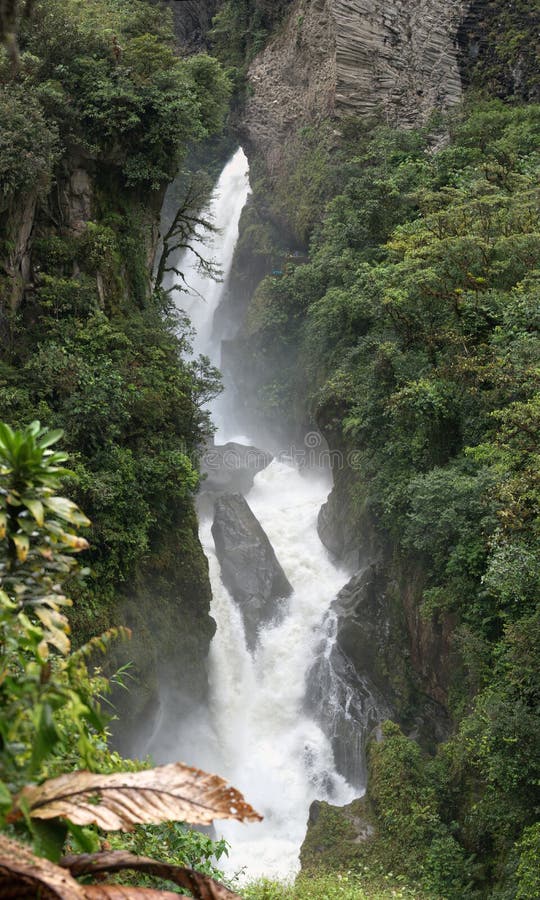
125 892
201 886
120 801
24 875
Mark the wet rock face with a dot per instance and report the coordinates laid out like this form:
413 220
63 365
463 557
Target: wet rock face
337 58
249 567
349 690
364 626
348 707
231 468
374 650
192 21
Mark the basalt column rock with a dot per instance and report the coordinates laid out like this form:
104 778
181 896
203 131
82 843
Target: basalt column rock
249 567
231 468
394 59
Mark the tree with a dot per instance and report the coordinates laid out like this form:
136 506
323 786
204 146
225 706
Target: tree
188 227
48 705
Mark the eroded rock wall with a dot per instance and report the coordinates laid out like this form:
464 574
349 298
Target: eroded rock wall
331 58
192 21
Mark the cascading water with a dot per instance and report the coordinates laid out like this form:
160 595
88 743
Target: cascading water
203 295
269 747
257 732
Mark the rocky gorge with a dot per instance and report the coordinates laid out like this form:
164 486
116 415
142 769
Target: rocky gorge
271 269
325 64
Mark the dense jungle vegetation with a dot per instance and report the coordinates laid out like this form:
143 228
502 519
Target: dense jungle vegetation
97 115
411 338
414 332
93 348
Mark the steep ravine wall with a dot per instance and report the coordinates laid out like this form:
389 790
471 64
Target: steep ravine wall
328 60
166 600
352 57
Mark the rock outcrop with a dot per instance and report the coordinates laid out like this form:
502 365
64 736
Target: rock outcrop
353 57
347 705
387 664
192 21
19 223
249 567
336 835
231 468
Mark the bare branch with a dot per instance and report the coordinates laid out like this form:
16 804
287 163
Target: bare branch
187 228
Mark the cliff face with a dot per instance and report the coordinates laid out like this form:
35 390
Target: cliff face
398 56
192 20
328 60
353 57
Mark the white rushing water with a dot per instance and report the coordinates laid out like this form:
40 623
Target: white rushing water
268 746
224 211
256 732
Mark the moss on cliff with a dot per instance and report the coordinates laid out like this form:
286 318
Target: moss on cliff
411 337
499 48
89 346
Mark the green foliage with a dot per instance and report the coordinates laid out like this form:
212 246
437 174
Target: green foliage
403 793
89 349
348 885
176 843
130 411
242 27
528 872
499 48
46 705
108 77
413 332
51 721
28 144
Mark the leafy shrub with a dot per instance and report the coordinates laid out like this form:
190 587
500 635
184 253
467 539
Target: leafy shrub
28 144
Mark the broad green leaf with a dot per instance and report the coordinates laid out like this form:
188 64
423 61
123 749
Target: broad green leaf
6 434
36 508
49 438
66 510
46 734
49 838
5 796
85 839
6 602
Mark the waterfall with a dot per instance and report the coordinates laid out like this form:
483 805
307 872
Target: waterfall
257 731
269 746
203 294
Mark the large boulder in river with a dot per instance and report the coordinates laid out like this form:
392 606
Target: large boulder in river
231 467
249 567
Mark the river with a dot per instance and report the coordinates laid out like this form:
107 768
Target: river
256 731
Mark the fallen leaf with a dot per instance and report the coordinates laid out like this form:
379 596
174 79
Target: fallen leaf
24 875
201 886
122 800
